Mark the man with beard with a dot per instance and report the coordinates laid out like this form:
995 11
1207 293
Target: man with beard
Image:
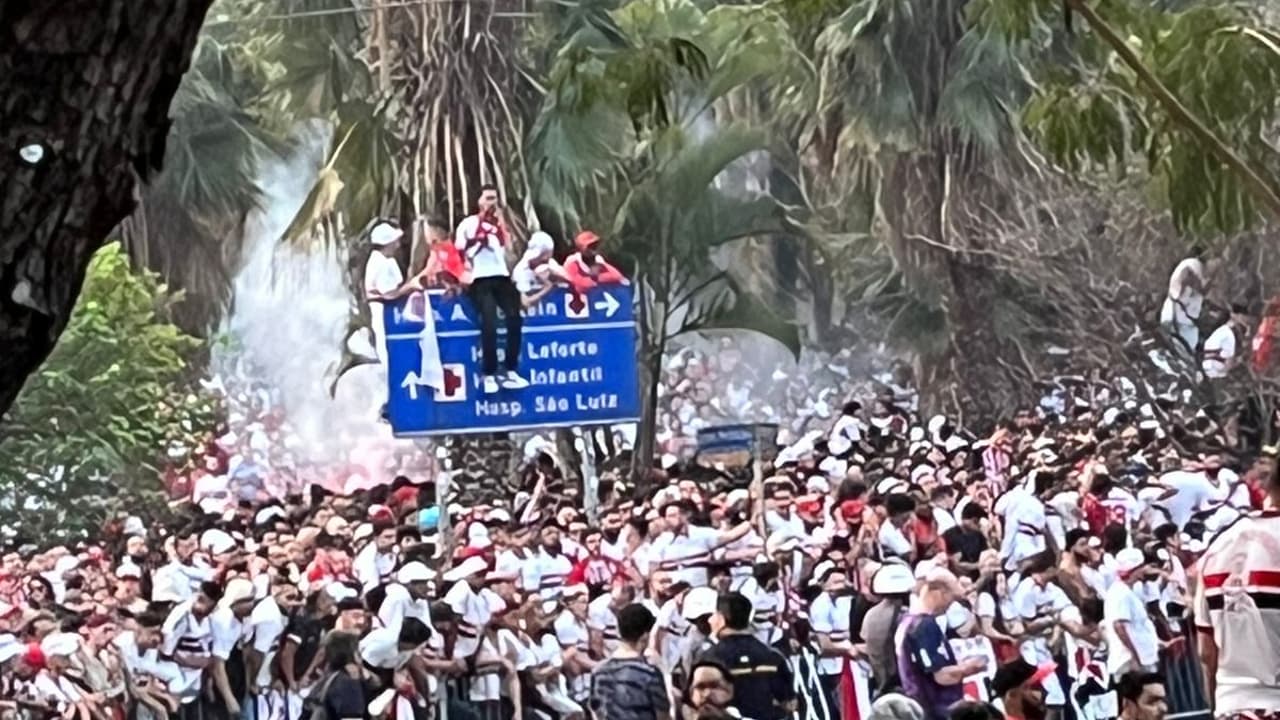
1142 697
1018 684
596 570
228 670
1132 641
1076 572
188 642
409 596
829 616
686 549
550 568
296 665
375 563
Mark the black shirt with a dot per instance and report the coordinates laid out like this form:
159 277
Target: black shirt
760 674
969 543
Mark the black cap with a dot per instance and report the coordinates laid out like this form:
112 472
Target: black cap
1016 673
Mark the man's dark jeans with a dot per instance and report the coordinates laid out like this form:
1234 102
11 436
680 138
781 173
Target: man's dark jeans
489 294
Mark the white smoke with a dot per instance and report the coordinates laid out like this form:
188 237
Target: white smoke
289 316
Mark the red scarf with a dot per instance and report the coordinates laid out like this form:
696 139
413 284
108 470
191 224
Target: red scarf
488 225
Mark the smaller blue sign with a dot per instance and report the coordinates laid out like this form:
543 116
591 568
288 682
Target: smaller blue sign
578 352
738 438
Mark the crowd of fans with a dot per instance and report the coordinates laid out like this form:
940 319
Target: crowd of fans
888 564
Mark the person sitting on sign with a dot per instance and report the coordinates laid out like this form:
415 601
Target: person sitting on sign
538 273
587 268
382 280
445 266
483 238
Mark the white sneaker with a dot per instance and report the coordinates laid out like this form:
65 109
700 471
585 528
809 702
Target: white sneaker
513 381
490 384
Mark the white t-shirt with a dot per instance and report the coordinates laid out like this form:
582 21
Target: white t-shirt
482 248
892 542
847 431
527 278
380 648
266 628
382 274
398 604
1219 350
601 618
1122 604
685 555
830 617
1183 303
1194 493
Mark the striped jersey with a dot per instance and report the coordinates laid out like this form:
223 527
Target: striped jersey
1238 602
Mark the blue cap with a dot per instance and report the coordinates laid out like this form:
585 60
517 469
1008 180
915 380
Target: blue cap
429 518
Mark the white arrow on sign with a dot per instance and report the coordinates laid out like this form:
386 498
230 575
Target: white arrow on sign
412 382
609 305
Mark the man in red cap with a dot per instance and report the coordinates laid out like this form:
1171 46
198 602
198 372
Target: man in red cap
587 268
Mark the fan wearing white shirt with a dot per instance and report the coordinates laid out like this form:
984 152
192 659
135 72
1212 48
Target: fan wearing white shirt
1131 636
382 278
376 562
1181 309
1221 350
482 238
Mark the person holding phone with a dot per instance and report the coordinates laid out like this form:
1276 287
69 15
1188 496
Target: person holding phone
482 238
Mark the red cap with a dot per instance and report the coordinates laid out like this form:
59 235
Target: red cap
585 239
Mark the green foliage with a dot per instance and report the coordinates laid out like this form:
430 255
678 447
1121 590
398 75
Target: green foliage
88 432
627 142
1092 110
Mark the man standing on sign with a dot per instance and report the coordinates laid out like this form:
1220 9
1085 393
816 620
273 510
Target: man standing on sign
483 238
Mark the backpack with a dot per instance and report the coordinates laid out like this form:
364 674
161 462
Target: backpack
314 706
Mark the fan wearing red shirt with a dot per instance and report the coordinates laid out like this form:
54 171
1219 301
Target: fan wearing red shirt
587 268
595 569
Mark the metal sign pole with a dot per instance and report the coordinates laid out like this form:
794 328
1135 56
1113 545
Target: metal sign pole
590 480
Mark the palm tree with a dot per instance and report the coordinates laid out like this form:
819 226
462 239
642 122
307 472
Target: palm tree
922 104
628 142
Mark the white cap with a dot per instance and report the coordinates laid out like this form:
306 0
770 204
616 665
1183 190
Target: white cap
129 570
818 484
698 602
237 590
471 566
1129 559
499 515
133 526
266 514
384 234
414 572
61 644
541 242
893 579
217 541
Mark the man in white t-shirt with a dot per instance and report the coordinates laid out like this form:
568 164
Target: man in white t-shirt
1181 309
382 278
1189 491
1236 614
1221 350
1131 635
482 238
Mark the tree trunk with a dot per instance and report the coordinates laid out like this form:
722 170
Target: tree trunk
970 377
86 87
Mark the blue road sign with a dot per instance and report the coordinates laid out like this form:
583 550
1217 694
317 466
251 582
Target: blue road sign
578 354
